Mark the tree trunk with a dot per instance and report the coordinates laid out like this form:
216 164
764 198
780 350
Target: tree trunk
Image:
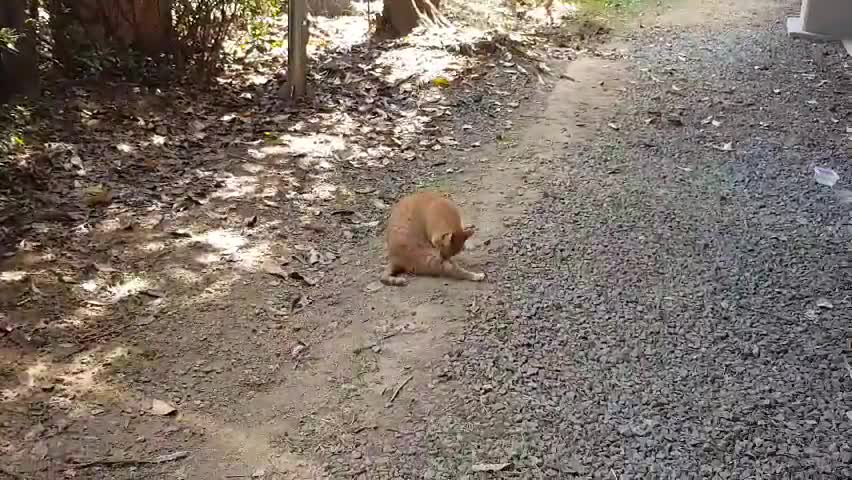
152 32
400 17
18 70
297 48
145 25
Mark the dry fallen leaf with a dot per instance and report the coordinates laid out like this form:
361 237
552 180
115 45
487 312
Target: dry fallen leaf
727 147
441 82
97 195
299 348
273 268
490 467
295 275
824 303
161 408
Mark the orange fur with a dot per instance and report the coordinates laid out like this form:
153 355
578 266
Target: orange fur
424 232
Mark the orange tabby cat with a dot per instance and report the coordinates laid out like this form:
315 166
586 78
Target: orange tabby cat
424 232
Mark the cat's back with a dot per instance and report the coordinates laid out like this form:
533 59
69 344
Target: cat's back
417 213
421 207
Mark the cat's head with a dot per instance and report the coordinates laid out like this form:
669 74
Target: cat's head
451 243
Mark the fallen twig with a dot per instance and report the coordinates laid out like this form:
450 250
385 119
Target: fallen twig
362 428
382 339
133 461
402 80
106 333
376 343
399 389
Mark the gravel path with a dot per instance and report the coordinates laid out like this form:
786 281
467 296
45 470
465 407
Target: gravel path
678 304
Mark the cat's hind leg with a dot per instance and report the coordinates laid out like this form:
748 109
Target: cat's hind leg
436 266
390 276
454 270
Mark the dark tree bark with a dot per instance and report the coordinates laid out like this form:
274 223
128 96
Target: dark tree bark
400 17
145 25
153 25
18 70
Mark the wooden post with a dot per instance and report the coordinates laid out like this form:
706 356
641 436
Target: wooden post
297 48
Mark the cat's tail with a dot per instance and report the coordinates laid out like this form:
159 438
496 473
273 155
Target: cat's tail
388 278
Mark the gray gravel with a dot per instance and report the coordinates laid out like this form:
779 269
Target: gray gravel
670 310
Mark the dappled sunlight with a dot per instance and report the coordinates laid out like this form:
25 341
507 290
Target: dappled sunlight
28 379
183 275
317 145
217 290
132 223
89 285
407 62
79 317
13 276
110 225
131 285
254 168
77 378
27 256
154 247
32 373
316 164
224 240
69 383
208 258
251 258
236 187
321 191
82 376
558 12
346 31
267 151
157 140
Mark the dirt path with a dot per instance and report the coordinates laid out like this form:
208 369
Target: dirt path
643 284
373 372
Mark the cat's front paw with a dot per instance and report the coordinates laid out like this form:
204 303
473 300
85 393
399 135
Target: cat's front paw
477 277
